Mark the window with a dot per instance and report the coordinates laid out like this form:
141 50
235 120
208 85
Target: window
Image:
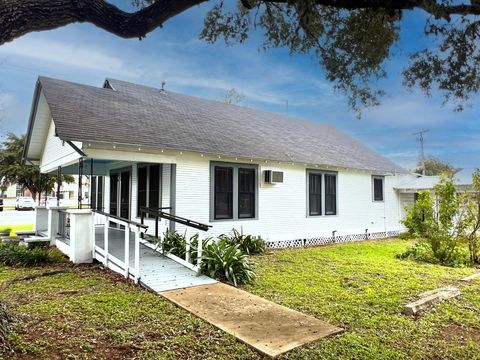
148 191
97 193
330 194
223 192
246 193
234 191
315 194
378 188
322 193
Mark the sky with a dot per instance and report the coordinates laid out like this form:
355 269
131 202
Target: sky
174 54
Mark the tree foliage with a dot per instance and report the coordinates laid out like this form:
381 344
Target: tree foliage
13 171
233 97
444 221
351 39
434 166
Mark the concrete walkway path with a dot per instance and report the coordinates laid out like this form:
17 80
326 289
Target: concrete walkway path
270 328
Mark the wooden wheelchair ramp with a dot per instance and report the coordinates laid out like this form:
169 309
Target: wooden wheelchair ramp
156 273
270 328
159 273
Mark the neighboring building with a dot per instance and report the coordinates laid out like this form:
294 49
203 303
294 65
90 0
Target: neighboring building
68 194
290 181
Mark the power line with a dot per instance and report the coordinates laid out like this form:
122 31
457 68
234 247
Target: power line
421 157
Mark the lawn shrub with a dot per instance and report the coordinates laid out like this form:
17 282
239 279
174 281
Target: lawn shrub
439 225
175 243
225 261
249 244
13 254
420 251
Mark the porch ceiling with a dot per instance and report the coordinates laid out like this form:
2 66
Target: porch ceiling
99 167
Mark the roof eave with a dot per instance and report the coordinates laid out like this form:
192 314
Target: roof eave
31 120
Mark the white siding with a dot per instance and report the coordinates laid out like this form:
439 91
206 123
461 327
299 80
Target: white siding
56 152
282 212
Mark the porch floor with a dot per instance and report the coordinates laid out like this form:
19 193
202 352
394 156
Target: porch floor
157 272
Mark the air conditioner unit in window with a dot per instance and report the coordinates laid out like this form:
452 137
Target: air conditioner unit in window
273 177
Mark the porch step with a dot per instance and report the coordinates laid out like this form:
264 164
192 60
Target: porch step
25 232
36 239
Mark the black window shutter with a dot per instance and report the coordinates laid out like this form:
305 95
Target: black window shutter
223 192
246 193
315 194
330 194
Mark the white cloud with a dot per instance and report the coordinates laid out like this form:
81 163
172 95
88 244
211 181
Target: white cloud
64 54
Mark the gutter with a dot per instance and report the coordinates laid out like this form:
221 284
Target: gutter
76 148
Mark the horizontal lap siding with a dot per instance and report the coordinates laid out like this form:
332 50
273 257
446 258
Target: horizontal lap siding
56 151
282 207
282 211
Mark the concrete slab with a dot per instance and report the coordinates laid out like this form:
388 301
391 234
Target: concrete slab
471 277
270 328
430 298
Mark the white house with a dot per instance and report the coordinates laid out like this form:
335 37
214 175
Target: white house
293 182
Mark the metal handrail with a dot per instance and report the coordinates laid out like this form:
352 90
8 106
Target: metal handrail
158 213
121 219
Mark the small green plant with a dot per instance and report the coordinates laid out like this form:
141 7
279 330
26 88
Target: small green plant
12 254
249 244
227 262
176 244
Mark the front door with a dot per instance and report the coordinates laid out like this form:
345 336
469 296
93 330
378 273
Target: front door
120 193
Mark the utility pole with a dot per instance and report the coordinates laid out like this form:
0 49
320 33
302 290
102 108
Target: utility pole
421 157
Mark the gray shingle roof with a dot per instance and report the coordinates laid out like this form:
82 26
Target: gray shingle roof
143 116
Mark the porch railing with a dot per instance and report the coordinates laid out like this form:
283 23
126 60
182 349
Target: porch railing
114 223
157 214
63 232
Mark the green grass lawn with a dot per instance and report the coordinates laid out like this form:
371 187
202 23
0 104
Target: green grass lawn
17 228
360 287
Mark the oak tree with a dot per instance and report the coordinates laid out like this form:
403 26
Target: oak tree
352 39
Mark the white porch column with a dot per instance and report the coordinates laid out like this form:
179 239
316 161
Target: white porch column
81 243
41 220
53 222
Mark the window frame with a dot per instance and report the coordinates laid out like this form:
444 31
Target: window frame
323 197
235 189
378 177
147 191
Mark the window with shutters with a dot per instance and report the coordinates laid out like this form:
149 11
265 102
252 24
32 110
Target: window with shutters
322 193
234 191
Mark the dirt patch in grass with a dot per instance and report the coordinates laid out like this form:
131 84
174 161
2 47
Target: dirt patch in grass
460 335
89 313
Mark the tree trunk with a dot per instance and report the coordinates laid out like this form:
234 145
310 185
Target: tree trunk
19 17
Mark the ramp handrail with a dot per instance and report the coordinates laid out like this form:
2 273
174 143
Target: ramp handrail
112 262
158 213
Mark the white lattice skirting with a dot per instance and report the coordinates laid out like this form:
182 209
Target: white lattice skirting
319 241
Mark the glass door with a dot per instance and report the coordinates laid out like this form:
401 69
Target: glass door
120 193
